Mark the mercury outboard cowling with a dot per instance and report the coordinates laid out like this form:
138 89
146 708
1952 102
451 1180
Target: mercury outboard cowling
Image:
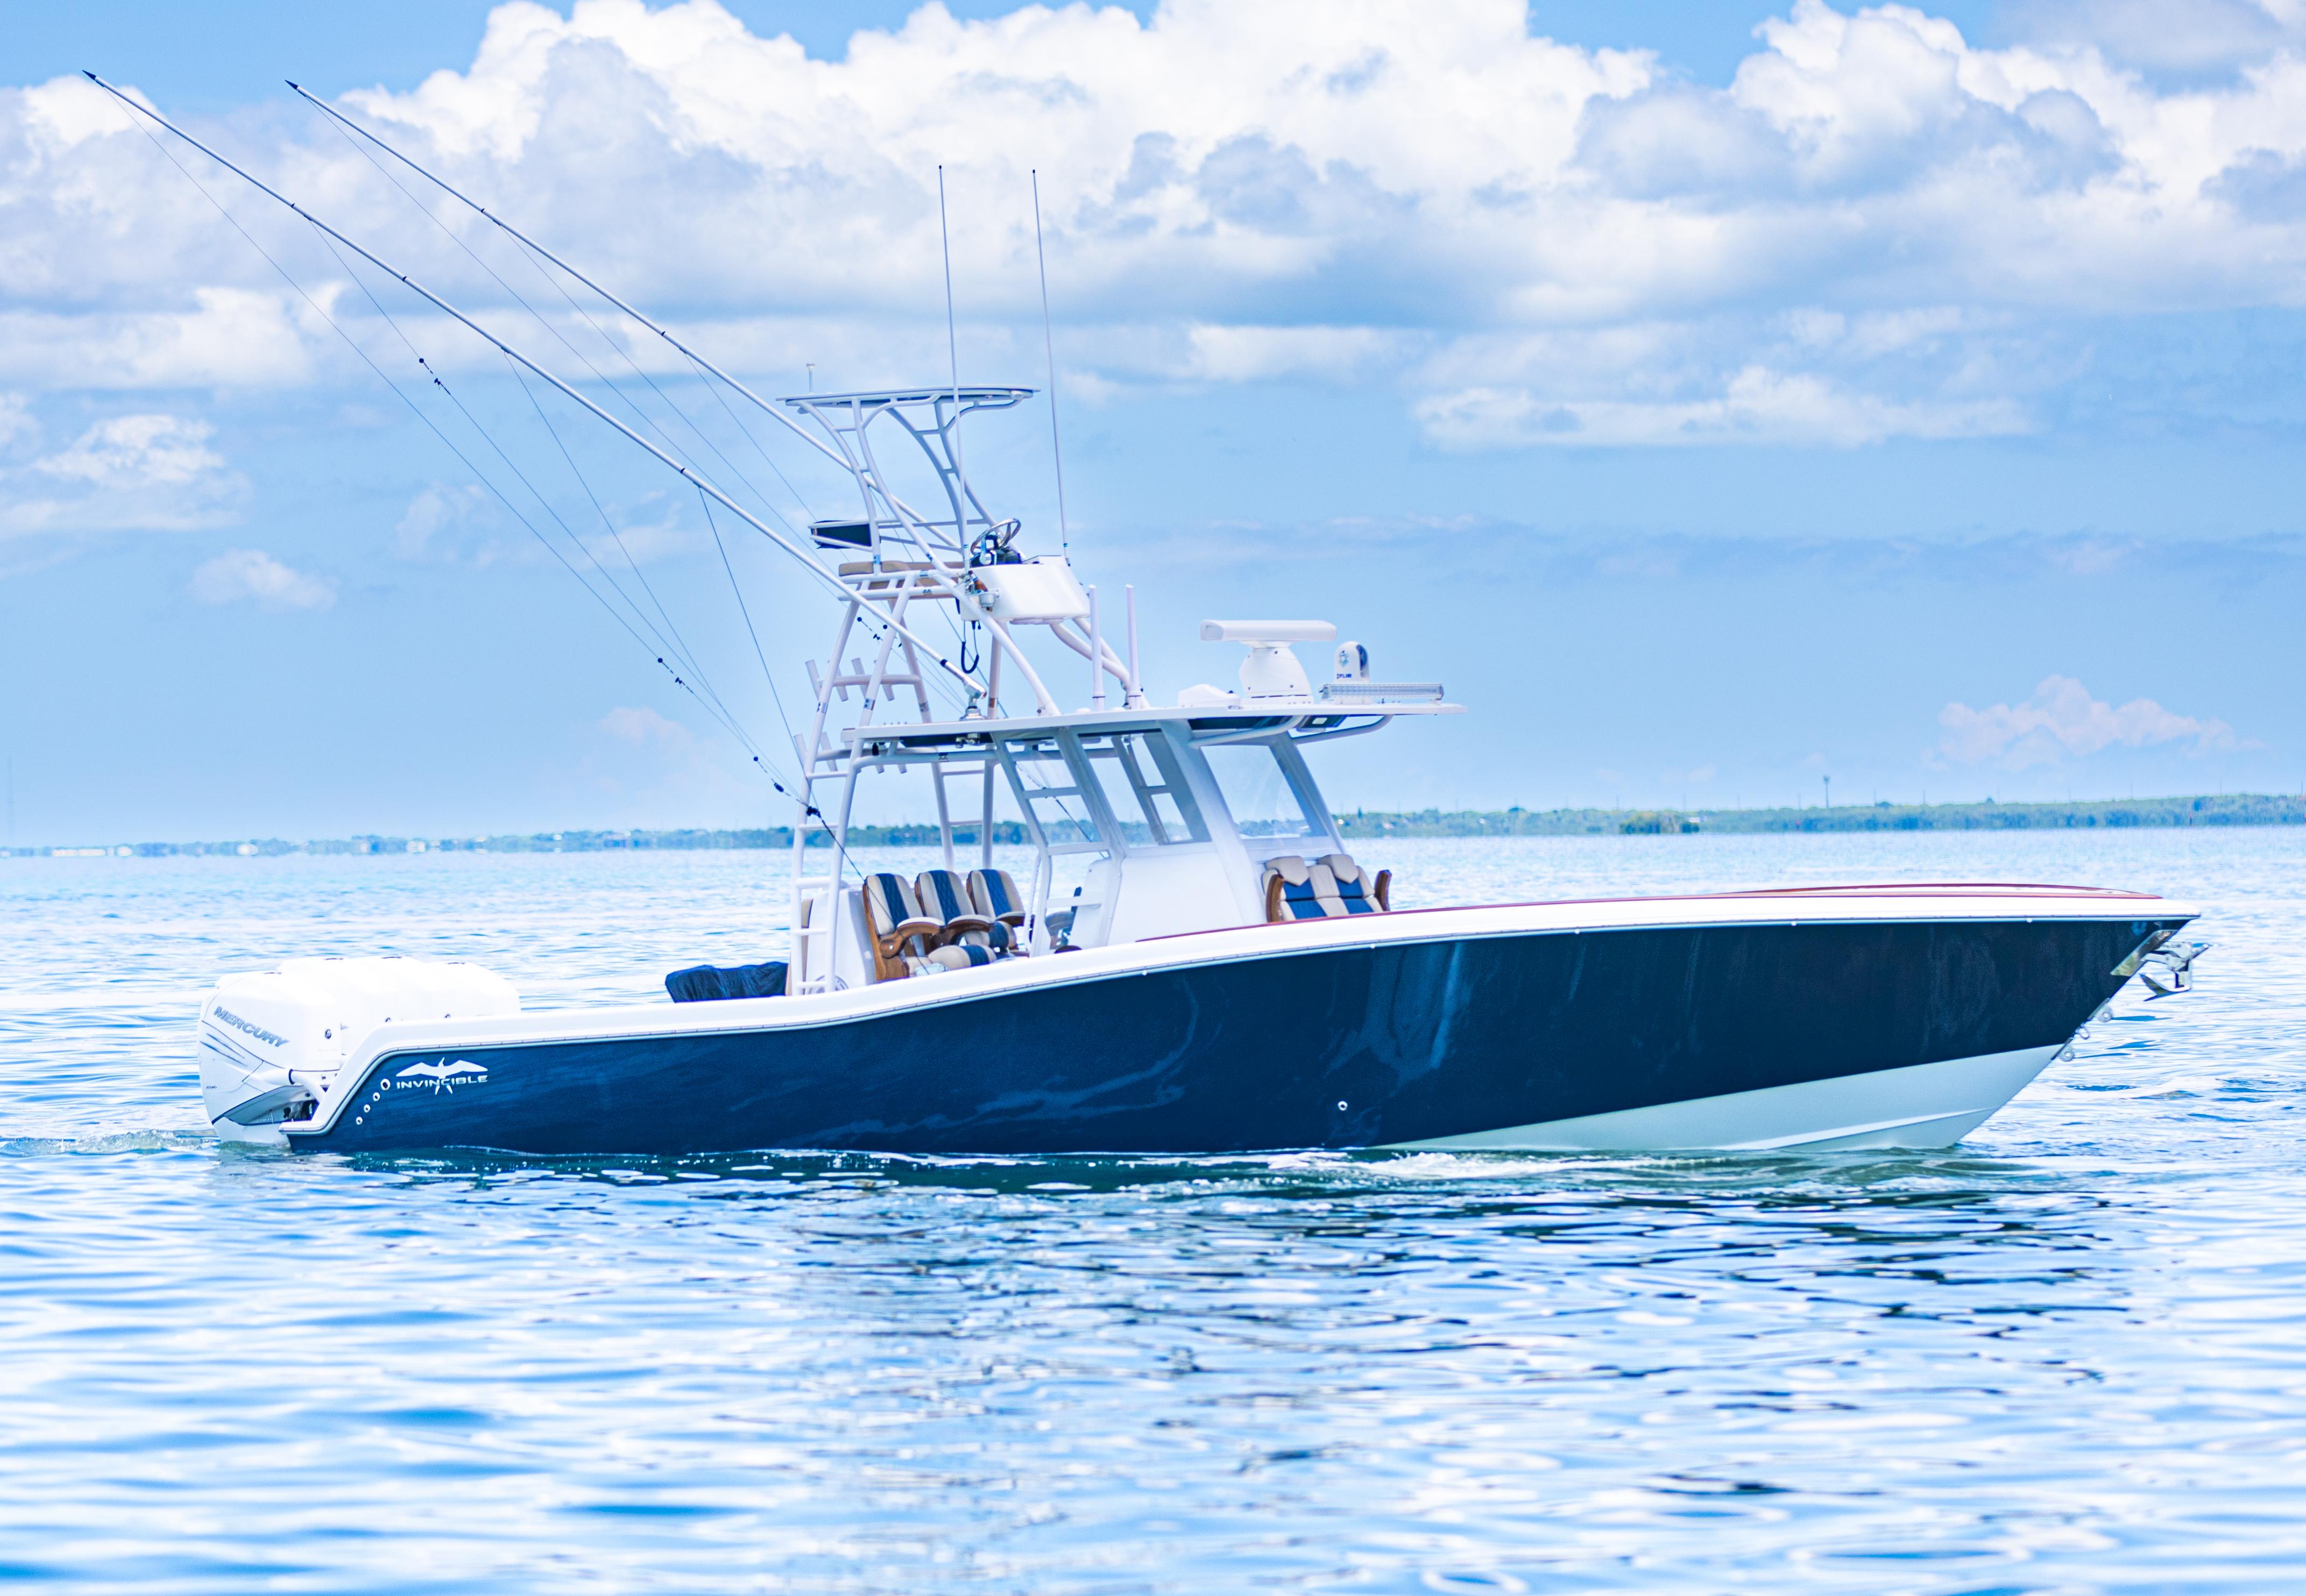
271 1043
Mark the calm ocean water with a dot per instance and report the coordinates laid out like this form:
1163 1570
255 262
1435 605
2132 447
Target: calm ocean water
2067 1356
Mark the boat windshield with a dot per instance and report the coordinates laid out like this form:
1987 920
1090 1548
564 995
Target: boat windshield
1144 790
1045 786
1265 802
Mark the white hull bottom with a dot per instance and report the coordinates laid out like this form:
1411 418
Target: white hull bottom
1922 1105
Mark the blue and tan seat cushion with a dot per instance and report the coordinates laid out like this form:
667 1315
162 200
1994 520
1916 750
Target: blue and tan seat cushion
944 896
899 929
1339 881
1331 888
962 955
1289 892
994 895
937 962
894 911
707 982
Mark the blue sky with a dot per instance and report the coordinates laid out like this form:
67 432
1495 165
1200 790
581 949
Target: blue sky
1716 396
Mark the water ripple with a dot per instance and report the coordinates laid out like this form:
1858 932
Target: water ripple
2065 1356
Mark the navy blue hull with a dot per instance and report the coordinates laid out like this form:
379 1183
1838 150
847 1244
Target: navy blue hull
1335 1048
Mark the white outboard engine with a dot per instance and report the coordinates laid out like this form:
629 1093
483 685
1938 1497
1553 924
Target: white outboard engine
271 1043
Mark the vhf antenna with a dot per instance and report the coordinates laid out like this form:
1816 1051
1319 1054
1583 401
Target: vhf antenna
952 352
1049 343
952 341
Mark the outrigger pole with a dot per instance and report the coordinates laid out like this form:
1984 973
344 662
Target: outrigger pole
764 406
797 431
695 479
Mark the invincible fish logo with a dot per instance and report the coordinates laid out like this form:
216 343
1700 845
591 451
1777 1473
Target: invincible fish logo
444 1076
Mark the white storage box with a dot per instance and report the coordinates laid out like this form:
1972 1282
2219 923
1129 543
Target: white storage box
1043 589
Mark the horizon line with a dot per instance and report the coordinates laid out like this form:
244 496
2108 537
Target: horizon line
1358 822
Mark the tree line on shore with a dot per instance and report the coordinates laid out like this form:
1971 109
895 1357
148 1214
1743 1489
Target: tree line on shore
2225 809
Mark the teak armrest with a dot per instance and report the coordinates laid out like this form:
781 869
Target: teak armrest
889 951
961 925
918 926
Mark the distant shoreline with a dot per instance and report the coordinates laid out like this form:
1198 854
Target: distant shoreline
2225 809
2116 813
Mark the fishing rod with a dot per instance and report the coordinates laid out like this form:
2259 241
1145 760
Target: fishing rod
766 406
803 433
696 479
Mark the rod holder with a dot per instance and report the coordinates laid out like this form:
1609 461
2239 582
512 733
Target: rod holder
1135 698
1096 656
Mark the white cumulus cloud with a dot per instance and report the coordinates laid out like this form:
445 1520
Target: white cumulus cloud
253 575
648 764
2182 34
1756 406
447 523
2060 719
130 452
144 473
1877 229
645 727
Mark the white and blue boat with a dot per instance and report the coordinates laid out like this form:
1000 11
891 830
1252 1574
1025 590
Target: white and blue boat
1192 960
1195 961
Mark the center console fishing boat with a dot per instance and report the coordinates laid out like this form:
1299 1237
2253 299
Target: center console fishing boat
1193 957
1196 960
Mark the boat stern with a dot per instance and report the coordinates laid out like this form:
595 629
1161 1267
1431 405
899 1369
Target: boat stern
271 1043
